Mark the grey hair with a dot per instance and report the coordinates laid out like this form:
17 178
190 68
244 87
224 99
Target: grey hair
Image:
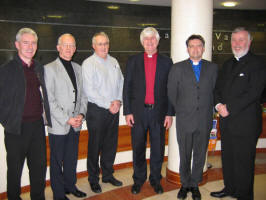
148 32
97 34
23 31
65 34
239 29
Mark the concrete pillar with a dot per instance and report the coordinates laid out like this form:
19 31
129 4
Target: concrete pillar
188 17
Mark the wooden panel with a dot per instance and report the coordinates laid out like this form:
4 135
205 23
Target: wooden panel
124 142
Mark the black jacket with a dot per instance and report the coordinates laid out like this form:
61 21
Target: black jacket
12 94
240 88
134 90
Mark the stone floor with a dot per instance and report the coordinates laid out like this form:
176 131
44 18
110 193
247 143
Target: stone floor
125 175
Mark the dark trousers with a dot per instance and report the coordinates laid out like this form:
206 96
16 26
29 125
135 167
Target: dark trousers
103 134
196 141
63 162
29 144
139 141
238 162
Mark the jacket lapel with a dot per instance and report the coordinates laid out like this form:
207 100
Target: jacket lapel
190 72
142 70
62 71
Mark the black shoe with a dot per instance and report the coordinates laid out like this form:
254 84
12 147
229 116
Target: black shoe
157 187
95 187
136 188
77 193
182 194
113 181
64 198
220 194
195 193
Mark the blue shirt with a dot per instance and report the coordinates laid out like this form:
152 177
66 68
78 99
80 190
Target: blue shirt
196 68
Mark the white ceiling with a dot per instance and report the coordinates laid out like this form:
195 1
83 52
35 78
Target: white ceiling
242 4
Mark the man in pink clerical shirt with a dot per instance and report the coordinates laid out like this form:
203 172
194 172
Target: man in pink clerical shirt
147 108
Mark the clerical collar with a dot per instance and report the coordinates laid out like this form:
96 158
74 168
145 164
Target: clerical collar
150 56
238 58
195 63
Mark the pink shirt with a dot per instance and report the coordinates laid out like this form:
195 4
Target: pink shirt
150 63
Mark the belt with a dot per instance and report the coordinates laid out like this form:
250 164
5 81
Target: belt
150 106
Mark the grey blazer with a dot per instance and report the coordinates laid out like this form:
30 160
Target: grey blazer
193 101
61 96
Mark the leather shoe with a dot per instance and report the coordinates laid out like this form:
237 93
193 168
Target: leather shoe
195 193
220 194
182 194
135 188
157 187
77 193
113 181
95 187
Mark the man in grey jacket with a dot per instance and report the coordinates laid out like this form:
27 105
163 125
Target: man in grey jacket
64 87
190 89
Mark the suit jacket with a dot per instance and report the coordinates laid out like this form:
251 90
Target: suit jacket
240 88
61 96
134 90
193 101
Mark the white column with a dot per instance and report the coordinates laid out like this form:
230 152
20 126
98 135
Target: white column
188 17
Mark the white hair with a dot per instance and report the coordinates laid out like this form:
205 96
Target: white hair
148 32
23 31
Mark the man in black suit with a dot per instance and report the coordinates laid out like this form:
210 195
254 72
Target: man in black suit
147 108
191 86
237 97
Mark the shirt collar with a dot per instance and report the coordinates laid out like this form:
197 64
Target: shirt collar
26 65
195 63
150 56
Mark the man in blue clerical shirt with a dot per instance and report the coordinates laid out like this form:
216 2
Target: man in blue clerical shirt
190 89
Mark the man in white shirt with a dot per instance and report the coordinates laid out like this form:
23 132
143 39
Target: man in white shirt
103 85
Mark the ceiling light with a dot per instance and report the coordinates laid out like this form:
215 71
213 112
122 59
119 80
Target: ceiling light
148 24
229 4
113 7
55 16
134 0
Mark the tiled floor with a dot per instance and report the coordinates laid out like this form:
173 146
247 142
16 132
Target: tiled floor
123 193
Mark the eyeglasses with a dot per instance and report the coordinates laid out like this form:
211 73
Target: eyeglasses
102 44
68 45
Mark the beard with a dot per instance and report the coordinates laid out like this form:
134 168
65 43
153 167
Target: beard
240 53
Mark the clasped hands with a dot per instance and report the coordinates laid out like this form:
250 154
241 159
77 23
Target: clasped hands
75 122
115 106
222 110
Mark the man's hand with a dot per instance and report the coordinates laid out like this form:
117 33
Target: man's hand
222 110
130 120
75 122
168 122
115 106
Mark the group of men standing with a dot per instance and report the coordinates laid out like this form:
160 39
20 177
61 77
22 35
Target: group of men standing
63 94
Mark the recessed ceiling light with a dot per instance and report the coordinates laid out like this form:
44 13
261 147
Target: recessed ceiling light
55 16
134 0
113 7
229 4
